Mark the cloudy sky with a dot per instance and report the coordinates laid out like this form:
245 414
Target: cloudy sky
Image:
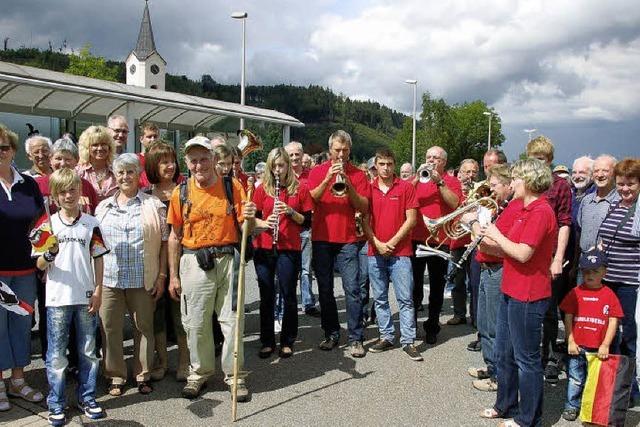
568 68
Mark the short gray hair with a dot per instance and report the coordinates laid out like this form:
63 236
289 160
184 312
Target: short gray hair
67 146
443 152
294 144
586 159
35 138
116 117
472 161
341 136
608 157
126 160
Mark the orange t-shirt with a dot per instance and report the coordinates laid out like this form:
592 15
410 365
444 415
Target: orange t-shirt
209 223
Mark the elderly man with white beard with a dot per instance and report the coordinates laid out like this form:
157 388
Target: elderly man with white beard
581 185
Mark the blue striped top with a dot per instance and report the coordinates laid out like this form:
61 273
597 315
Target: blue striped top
623 252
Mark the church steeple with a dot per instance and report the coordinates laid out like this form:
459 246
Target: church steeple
145 66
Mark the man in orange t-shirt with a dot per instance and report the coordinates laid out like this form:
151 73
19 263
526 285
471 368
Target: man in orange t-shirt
201 250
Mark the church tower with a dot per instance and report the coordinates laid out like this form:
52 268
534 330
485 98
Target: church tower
145 66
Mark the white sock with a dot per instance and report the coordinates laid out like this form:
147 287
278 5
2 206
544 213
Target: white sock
17 381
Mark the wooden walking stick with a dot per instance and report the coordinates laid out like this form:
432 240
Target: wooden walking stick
240 309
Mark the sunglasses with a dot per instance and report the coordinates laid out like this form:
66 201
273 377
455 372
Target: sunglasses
5 148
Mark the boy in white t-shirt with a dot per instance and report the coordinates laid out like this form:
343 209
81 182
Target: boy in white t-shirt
74 292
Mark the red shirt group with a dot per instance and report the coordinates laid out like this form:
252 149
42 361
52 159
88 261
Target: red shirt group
432 206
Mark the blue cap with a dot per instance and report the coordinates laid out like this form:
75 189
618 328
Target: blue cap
592 259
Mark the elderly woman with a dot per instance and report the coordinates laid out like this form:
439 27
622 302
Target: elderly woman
38 150
97 150
527 250
135 228
20 205
622 248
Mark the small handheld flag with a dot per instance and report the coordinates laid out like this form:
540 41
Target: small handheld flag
10 302
41 237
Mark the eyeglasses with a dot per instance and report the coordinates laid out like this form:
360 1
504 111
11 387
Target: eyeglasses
120 130
5 148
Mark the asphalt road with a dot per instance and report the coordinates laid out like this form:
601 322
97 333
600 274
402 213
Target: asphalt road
315 387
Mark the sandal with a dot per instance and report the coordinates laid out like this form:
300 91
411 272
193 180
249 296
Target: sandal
116 390
265 352
489 413
285 352
144 387
24 391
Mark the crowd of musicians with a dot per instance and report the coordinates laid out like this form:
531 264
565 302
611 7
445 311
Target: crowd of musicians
133 235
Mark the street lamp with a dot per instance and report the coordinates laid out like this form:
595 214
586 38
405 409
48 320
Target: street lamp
243 17
490 114
413 138
530 131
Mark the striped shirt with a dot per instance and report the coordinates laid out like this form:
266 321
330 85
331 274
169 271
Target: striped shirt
622 247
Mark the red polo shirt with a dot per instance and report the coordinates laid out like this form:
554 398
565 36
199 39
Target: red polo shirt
432 205
334 217
504 222
289 231
535 226
389 212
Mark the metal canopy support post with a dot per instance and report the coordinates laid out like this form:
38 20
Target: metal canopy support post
131 122
286 134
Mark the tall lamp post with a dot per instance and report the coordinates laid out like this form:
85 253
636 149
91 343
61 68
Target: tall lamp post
490 114
530 131
413 137
243 17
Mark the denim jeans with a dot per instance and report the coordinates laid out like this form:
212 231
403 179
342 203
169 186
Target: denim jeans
488 300
577 373
363 276
306 281
59 321
398 269
519 362
15 330
345 255
625 341
285 265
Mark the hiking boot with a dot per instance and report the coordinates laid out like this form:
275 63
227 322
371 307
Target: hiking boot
474 346
91 409
380 346
551 373
242 392
570 414
328 344
412 352
192 389
357 349
479 373
457 321
313 312
485 385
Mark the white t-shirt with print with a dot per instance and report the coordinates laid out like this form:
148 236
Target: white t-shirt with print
70 278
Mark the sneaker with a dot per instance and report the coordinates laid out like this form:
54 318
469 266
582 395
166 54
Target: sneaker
479 373
91 409
551 373
570 414
57 417
328 344
457 321
380 346
412 352
313 312
242 394
474 345
485 385
357 349
192 389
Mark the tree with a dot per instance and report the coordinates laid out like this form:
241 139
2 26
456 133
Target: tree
85 64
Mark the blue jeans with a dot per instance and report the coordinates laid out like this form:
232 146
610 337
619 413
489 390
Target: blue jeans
326 255
59 320
15 330
519 361
577 373
398 269
363 276
488 300
306 281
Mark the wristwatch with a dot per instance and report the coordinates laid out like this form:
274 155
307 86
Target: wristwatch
440 183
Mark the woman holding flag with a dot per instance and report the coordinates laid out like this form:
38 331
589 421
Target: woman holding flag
20 205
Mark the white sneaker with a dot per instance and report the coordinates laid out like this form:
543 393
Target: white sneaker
277 326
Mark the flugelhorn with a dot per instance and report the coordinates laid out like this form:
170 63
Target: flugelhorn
339 187
424 173
249 142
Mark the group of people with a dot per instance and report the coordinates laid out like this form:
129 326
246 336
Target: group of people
134 235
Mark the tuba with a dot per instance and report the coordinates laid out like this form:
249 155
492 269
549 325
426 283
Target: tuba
248 142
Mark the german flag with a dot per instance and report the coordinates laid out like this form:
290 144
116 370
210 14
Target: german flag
41 236
606 393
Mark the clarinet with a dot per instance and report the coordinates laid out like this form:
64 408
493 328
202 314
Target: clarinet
474 244
276 227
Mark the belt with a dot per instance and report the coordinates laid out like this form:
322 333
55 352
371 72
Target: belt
490 266
216 251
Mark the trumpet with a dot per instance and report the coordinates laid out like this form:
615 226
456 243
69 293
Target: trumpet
424 173
339 187
249 142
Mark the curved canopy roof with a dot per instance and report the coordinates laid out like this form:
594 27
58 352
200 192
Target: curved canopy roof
29 90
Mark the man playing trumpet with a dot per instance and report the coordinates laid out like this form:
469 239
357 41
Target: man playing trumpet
339 189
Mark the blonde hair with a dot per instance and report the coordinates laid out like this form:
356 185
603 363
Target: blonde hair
290 181
8 136
501 171
540 146
62 180
535 174
95 135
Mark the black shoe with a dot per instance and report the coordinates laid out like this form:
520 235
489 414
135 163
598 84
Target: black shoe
570 414
380 346
328 344
474 345
412 352
431 332
551 373
431 338
457 321
313 312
